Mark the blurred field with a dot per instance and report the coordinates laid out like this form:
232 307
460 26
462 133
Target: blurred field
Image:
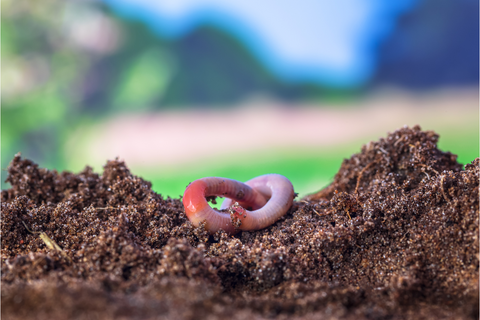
306 143
85 81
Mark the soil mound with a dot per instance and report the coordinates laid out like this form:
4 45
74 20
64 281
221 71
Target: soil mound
394 236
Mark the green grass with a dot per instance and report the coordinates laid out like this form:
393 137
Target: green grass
309 170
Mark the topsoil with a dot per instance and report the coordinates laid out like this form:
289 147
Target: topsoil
395 236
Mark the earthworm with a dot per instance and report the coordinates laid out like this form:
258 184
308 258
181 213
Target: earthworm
259 202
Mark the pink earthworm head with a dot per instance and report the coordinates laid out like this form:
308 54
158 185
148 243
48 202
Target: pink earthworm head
194 200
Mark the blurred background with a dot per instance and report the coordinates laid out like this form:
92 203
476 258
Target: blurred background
182 89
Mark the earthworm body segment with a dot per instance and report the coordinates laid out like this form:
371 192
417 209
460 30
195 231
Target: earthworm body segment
252 205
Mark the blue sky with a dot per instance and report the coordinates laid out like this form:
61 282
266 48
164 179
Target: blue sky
328 42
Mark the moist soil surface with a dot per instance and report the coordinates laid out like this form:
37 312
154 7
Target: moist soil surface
395 236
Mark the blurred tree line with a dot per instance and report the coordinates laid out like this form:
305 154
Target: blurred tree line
66 63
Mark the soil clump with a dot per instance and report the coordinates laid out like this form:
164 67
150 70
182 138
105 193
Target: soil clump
395 236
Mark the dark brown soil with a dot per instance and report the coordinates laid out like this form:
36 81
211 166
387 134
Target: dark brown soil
395 236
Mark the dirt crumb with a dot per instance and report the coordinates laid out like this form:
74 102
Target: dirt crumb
395 236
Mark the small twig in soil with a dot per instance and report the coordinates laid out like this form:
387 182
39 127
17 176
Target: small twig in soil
52 245
383 150
428 167
348 214
398 141
361 174
105 208
311 208
441 188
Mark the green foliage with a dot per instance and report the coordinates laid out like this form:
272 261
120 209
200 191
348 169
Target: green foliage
36 102
144 80
309 169
56 86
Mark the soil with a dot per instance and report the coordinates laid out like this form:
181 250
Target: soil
395 236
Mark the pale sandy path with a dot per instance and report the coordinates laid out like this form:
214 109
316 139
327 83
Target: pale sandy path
173 138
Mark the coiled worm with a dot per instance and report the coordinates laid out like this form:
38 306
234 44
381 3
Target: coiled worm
258 202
